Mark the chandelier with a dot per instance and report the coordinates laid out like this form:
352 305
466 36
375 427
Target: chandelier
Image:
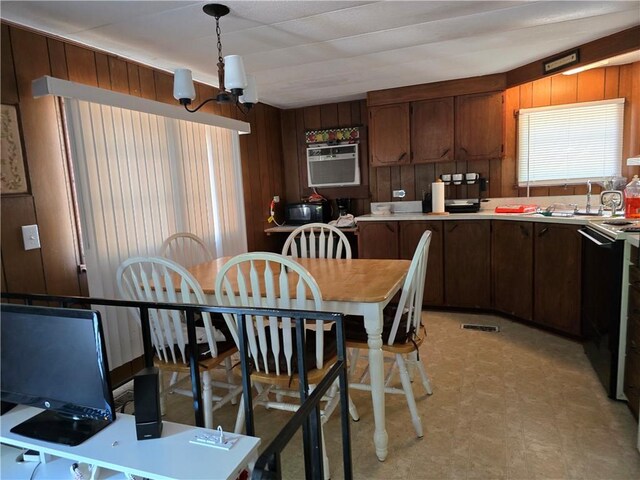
231 75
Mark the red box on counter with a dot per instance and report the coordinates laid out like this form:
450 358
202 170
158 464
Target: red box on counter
516 208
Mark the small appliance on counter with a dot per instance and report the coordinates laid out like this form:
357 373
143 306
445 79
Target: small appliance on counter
303 213
467 205
344 206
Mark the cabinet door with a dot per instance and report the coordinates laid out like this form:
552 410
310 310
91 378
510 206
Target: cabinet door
467 263
432 130
410 233
389 134
556 277
512 267
632 359
479 126
378 240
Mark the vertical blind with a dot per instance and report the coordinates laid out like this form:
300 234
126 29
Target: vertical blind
140 178
569 144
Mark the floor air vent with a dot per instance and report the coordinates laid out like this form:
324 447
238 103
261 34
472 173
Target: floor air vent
483 328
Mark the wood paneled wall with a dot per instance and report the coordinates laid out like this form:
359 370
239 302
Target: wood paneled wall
295 123
27 55
597 84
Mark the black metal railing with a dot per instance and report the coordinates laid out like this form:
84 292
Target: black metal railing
308 414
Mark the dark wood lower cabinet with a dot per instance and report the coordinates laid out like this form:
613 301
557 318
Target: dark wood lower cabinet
378 240
632 360
410 234
512 267
530 270
467 263
556 277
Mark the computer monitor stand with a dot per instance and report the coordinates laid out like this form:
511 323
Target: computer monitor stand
54 427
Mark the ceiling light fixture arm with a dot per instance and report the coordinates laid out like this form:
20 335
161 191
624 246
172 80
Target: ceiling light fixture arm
186 102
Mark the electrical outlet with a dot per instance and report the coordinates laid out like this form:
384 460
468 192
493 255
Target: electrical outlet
276 199
30 237
399 193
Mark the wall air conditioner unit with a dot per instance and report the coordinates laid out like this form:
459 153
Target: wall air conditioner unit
333 166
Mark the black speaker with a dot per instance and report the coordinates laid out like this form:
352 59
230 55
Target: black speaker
146 400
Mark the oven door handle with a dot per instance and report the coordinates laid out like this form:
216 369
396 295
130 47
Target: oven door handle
584 233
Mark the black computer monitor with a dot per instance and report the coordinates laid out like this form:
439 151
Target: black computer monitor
55 358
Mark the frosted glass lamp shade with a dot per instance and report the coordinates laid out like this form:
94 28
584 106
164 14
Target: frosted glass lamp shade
250 93
234 75
183 84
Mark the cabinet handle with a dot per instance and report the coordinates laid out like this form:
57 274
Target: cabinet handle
543 231
401 157
524 231
453 228
446 152
463 150
632 345
390 228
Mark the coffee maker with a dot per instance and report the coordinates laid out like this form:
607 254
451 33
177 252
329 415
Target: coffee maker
344 205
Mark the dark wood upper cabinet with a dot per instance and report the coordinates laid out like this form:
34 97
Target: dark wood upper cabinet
556 277
410 234
512 268
432 129
389 135
479 126
378 240
467 260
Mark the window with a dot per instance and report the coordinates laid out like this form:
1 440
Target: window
570 144
140 178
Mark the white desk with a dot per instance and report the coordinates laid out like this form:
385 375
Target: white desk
165 458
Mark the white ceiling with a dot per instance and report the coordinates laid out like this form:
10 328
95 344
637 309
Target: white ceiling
312 52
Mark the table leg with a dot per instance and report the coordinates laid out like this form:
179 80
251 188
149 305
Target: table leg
373 325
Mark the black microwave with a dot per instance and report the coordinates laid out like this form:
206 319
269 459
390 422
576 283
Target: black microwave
302 213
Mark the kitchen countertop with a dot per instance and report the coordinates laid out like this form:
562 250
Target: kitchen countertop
487 212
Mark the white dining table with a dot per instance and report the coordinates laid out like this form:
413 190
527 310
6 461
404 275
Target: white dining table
360 287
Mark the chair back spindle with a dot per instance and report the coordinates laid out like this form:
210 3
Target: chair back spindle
317 240
412 291
155 279
262 279
185 249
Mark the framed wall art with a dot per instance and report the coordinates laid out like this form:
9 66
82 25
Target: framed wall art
13 178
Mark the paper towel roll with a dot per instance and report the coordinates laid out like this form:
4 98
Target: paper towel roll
437 197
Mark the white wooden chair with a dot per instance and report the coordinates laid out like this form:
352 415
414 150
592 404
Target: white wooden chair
138 278
261 279
185 249
317 240
401 338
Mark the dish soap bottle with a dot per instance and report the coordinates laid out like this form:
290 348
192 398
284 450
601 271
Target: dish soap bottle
632 198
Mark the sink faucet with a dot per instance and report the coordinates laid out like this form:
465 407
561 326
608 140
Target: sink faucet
587 208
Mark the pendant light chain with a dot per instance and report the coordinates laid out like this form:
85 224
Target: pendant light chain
218 33
220 58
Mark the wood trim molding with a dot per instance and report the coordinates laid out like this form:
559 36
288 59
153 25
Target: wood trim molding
606 47
426 91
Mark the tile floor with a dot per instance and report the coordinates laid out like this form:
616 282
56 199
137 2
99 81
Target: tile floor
519 404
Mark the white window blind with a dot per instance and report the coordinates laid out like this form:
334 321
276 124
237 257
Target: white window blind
570 144
140 178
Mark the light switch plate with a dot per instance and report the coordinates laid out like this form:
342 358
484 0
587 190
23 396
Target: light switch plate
30 237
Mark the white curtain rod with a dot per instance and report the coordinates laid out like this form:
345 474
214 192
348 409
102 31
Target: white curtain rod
63 88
